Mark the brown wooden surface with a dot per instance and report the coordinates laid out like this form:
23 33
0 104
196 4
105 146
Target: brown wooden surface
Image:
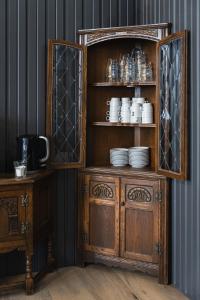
99 92
118 84
123 171
164 232
113 124
143 236
139 220
128 28
11 216
26 219
101 214
9 178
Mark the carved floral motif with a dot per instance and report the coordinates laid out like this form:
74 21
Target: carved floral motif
133 32
139 194
102 191
11 205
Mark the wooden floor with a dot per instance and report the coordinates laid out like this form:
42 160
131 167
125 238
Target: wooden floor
98 283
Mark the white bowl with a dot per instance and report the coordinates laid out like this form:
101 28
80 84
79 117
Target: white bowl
119 159
119 149
139 148
118 164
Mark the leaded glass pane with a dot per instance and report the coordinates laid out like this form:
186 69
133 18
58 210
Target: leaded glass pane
66 104
170 105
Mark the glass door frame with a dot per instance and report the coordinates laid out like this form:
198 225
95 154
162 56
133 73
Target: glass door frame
49 110
183 105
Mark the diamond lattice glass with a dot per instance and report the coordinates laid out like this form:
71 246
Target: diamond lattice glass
66 108
170 105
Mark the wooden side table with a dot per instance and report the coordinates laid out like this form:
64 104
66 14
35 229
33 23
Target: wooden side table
25 220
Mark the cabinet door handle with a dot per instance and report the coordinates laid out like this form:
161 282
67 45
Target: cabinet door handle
123 203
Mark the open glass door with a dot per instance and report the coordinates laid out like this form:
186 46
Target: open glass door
66 103
172 103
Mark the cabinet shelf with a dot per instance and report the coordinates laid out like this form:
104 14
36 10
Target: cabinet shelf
120 84
110 124
127 170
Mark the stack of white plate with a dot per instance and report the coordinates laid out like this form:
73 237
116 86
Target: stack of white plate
138 157
119 157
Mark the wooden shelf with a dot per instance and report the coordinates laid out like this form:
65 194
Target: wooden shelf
127 170
120 84
110 124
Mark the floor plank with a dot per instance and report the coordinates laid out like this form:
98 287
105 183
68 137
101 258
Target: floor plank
97 282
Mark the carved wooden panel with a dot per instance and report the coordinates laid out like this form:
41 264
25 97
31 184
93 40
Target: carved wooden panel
139 219
9 224
101 214
102 190
139 193
139 223
102 226
134 32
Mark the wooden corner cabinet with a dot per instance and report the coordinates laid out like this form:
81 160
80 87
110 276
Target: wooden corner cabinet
123 211
25 220
125 220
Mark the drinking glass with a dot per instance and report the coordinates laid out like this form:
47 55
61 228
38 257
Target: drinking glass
20 169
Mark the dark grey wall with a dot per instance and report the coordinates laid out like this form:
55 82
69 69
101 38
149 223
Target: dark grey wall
183 14
25 27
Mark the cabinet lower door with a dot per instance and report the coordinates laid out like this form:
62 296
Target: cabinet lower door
12 215
140 220
101 215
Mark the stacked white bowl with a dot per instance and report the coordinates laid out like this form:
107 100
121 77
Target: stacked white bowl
147 113
138 157
125 110
119 157
113 115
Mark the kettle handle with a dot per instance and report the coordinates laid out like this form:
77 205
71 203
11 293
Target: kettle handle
44 159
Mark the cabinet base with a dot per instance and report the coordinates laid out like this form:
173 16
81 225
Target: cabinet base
112 261
15 282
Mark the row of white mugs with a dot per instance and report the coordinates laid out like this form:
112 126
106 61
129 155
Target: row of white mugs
125 110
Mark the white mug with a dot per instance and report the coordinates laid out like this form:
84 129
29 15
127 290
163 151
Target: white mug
114 101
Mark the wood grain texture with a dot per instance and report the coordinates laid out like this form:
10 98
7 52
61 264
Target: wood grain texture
100 215
26 219
98 283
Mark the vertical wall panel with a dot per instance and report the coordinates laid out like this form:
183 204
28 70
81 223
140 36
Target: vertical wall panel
79 17
105 13
59 19
88 13
70 22
3 83
123 9
186 194
41 66
12 28
113 13
130 12
22 68
31 66
96 13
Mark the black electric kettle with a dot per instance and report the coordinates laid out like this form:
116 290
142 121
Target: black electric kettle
33 150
